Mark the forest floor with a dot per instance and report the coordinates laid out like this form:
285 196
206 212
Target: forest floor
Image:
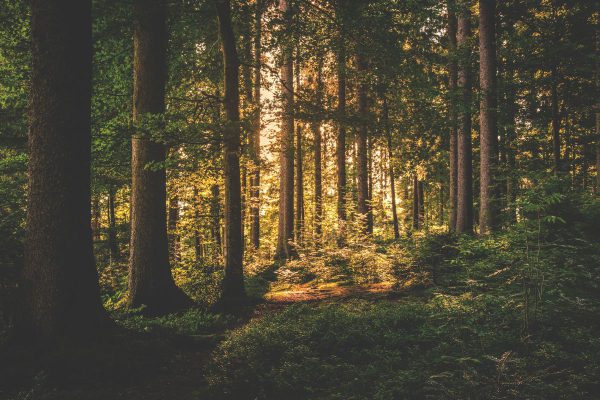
163 364
433 318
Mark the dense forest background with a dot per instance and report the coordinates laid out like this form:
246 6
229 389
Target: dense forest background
299 199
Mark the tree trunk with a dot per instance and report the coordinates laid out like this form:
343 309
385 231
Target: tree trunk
316 128
421 193
215 213
488 211
464 217
113 244
233 249
388 134
197 237
255 145
286 159
173 218
415 208
299 185
150 280
362 149
341 134
453 112
555 122
60 294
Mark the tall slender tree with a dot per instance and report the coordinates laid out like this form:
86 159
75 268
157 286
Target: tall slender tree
341 114
316 129
388 135
61 298
464 217
256 129
488 208
286 158
364 201
150 280
233 282
453 112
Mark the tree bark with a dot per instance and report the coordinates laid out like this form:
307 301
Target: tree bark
233 249
150 280
388 134
362 149
489 210
286 159
453 112
255 145
60 294
464 217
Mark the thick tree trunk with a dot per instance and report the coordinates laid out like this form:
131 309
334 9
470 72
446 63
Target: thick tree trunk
453 112
256 129
113 245
362 149
464 216
489 210
60 294
388 134
316 128
341 133
150 280
286 158
233 249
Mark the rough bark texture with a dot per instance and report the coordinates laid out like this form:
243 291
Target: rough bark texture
150 280
341 134
255 141
362 150
286 158
453 112
391 168
61 298
488 208
464 216
233 249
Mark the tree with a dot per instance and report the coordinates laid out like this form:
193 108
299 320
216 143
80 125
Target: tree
233 281
316 129
341 115
364 201
61 297
255 141
150 280
388 135
452 111
286 155
464 217
488 208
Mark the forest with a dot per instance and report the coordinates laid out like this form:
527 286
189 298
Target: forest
299 199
